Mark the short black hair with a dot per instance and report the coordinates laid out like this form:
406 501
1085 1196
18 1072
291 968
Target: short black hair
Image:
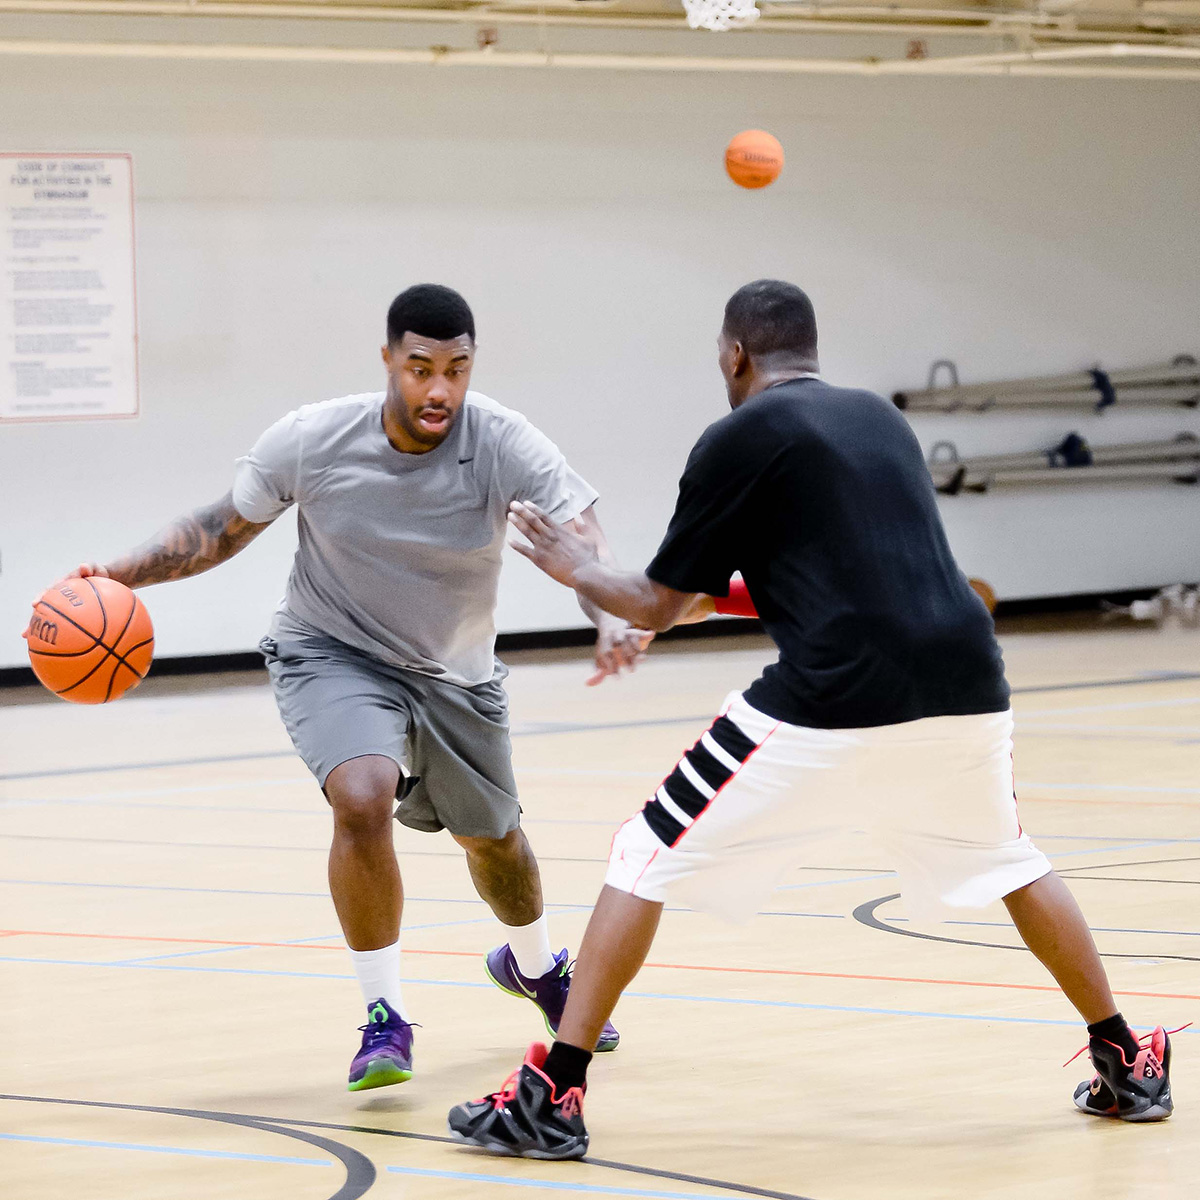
769 316
429 310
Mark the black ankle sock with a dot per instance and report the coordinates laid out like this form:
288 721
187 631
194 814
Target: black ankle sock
1116 1030
566 1065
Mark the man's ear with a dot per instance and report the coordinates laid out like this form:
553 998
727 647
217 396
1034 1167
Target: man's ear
741 360
385 352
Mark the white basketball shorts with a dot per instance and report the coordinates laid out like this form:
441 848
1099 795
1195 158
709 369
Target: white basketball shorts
747 800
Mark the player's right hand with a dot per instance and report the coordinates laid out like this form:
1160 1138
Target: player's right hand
81 572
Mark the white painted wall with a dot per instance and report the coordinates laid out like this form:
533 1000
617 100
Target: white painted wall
1017 226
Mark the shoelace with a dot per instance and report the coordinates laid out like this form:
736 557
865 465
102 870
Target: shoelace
1144 1038
506 1093
378 1031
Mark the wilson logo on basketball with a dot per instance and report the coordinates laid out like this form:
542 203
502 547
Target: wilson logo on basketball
43 630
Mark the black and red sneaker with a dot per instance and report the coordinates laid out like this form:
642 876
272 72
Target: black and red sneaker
524 1118
1130 1091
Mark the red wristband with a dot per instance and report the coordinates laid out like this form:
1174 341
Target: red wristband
737 603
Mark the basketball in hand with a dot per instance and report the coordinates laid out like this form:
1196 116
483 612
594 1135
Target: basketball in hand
90 640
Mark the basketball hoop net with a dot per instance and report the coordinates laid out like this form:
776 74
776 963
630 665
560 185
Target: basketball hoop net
719 15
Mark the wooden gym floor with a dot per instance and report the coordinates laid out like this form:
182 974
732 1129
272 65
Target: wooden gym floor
177 1013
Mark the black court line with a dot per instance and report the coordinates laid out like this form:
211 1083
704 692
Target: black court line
402 850
360 1171
1149 677
1143 862
1138 879
54 837
545 730
148 766
864 914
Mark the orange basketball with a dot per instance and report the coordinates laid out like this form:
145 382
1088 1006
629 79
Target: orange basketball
90 640
985 592
754 159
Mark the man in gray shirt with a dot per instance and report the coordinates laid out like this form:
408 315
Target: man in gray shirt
381 653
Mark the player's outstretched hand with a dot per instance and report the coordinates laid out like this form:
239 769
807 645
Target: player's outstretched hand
81 572
619 647
559 550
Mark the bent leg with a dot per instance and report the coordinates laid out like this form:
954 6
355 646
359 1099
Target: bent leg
1052 926
364 877
618 938
505 874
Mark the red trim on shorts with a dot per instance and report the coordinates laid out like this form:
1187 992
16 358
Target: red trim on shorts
744 764
612 841
1012 762
633 889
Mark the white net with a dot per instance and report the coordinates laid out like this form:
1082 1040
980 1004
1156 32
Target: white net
720 14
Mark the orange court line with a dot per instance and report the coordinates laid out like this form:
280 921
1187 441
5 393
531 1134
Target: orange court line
1024 987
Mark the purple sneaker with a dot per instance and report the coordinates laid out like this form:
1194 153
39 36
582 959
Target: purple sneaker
386 1054
549 992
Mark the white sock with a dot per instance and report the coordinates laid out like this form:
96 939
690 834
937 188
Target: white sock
530 945
378 974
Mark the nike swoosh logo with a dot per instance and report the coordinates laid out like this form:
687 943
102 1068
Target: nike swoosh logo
531 995
466 460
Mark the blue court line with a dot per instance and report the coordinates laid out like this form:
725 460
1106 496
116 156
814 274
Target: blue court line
221 950
155 887
255 809
168 808
737 1001
510 1181
152 887
552 1184
190 1151
551 909
540 728
1108 849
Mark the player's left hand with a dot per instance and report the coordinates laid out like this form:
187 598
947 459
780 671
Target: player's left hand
559 550
619 647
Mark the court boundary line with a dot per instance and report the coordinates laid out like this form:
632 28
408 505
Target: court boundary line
360 1170
1153 677
656 966
865 914
281 1126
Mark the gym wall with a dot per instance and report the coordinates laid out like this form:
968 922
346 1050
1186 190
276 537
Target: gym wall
1016 226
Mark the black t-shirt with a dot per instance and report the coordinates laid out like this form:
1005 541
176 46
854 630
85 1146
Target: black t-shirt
820 497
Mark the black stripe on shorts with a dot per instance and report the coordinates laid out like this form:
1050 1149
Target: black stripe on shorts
731 739
665 827
684 793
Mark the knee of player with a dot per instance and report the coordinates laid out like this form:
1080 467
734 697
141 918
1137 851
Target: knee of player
501 849
362 801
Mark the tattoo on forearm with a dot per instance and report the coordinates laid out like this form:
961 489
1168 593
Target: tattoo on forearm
194 543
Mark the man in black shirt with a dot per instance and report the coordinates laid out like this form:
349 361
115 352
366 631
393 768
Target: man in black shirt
888 709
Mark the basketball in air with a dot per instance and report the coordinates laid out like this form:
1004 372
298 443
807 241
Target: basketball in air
754 158
90 640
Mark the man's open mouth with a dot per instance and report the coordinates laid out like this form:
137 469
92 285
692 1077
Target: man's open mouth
433 420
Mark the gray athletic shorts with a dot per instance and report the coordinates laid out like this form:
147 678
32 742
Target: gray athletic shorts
339 703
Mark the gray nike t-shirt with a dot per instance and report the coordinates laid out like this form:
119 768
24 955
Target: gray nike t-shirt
400 554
